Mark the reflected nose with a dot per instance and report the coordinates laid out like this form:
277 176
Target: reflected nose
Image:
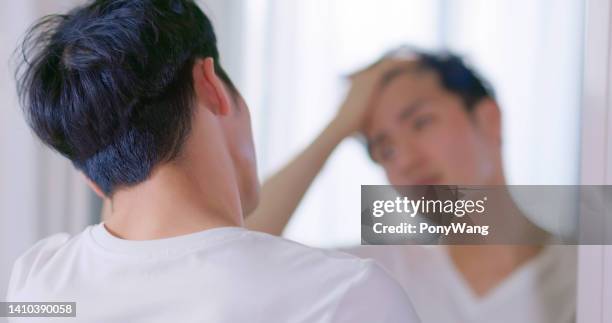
410 160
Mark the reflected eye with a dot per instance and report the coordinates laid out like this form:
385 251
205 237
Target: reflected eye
421 122
385 153
381 149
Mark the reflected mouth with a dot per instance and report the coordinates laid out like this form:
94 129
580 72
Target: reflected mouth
431 180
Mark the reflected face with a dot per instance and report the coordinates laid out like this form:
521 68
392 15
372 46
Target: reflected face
421 134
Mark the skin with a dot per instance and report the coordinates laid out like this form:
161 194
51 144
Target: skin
213 182
420 133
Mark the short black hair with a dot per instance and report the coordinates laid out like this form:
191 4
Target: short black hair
455 75
109 84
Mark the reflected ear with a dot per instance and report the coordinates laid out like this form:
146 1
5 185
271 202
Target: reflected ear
94 187
210 90
488 119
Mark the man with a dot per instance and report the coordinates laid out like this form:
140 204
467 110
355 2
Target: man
434 121
131 91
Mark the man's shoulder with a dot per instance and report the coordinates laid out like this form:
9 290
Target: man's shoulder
320 263
402 257
325 267
280 250
375 297
352 286
37 259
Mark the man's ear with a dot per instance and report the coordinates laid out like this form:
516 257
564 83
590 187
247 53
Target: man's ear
488 119
94 187
209 88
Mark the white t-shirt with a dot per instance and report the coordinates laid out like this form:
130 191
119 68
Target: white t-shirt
543 290
219 275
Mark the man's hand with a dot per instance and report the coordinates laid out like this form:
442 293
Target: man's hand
365 84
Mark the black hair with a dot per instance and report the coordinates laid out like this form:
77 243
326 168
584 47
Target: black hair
455 75
109 84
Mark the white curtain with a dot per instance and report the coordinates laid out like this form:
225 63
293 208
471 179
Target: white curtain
297 53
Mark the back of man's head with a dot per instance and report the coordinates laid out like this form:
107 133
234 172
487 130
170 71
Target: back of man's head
109 85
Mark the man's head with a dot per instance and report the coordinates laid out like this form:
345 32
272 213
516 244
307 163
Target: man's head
121 87
434 121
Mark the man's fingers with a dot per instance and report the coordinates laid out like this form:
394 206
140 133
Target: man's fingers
382 67
393 63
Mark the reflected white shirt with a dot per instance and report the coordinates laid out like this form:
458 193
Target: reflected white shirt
543 290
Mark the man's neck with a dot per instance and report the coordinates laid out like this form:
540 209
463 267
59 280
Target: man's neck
173 203
486 266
